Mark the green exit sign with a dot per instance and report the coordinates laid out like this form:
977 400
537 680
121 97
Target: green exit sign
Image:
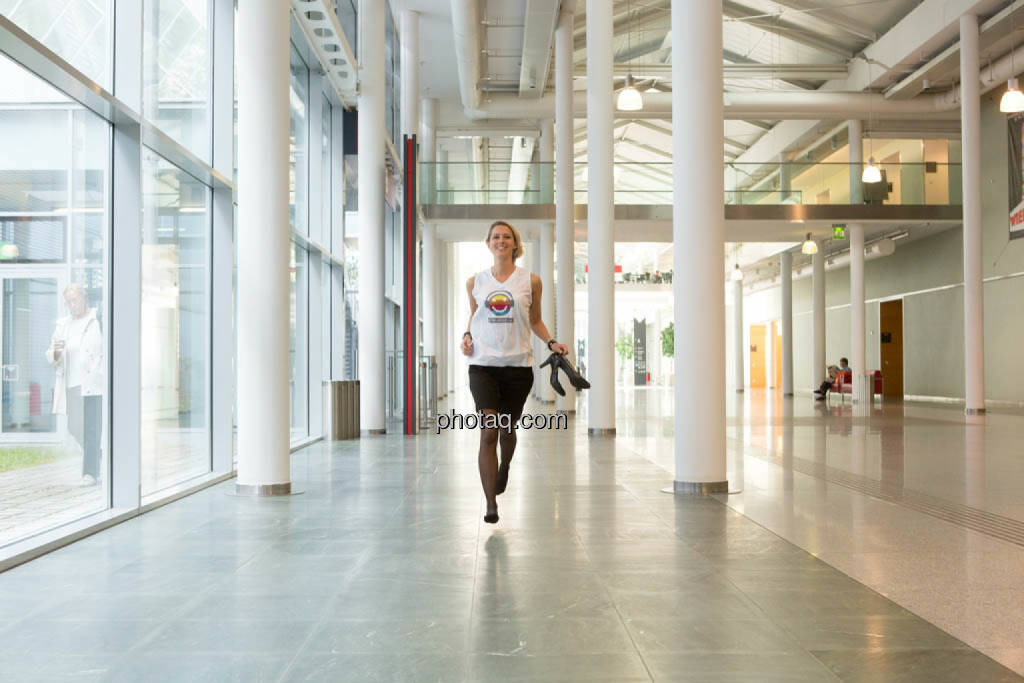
839 232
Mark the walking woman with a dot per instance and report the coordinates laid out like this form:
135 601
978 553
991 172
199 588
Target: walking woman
504 304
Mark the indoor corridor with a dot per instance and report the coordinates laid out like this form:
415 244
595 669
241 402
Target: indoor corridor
877 547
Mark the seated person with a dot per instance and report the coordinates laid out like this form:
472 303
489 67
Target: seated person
833 373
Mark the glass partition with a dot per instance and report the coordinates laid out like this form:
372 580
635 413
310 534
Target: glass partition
933 184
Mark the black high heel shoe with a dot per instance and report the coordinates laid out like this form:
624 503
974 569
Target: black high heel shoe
553 362
575 378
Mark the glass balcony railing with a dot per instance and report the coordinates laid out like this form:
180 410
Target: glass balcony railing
928 183
486 183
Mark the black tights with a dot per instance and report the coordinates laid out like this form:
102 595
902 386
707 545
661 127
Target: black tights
487 458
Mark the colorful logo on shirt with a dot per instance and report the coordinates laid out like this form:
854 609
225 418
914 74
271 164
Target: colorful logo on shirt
500 303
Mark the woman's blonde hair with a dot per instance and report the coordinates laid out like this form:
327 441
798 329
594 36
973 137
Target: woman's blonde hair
518 251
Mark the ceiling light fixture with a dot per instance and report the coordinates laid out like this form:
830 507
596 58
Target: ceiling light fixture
871 173
809 246
737 274
1013 99
629 98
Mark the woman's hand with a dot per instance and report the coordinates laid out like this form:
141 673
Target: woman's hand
560 348
467 345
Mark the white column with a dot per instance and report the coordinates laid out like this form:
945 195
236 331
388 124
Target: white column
974 298
442 300
856 155
371 216
601 219
737 321
458 322
428 149
263 308
858 356
445 330
818 315
430 314
698 231
410 61
428 129
786 270
547 249
565 202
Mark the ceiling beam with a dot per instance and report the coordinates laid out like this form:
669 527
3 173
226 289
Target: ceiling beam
831 17
641 17
538 39
744 68
786 29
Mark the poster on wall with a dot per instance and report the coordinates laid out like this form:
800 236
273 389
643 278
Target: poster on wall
1015 131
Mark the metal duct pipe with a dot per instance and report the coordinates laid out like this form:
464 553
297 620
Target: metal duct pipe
810 105
466 30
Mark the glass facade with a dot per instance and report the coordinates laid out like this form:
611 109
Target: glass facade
298 343
70 445
54 225
298 154
78 31
177 71
175 325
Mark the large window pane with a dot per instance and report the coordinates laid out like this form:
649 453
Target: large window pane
325 174
54 190
299 342
299 152
177 71
78 31
175 325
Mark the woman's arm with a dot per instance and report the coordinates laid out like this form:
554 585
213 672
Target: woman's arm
467 338
536 324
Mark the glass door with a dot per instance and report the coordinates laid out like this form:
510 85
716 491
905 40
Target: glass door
30 305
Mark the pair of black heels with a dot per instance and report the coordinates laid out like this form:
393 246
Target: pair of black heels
558 361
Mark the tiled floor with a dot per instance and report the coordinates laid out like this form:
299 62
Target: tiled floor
383 570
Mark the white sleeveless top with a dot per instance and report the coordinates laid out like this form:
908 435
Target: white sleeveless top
501 324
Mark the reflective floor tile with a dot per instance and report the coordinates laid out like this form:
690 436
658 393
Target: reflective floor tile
691 633
380 668
915 666
377 636
549 636
557 668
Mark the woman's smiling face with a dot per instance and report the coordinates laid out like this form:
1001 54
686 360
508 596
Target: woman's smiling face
502 241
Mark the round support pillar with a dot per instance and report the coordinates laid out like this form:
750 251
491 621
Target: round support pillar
974 297
372 414
601 218
698 224
858 333
818 316
565 287
263 250
786 269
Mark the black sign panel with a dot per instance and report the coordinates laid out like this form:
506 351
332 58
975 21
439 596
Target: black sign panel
640 352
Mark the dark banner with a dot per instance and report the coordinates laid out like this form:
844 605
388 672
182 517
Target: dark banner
1015 128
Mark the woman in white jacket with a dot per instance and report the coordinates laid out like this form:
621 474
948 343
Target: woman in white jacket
76 353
